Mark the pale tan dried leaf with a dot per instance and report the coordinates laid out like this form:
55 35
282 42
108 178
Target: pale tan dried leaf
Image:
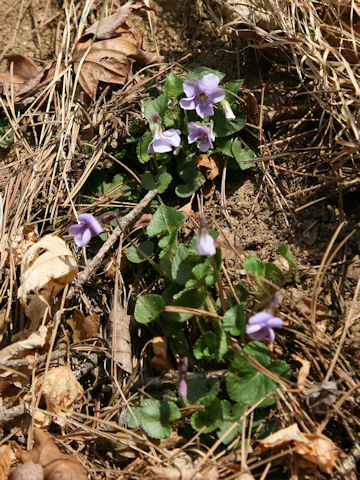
120 336
315 448
45 270
303 372
5 463
61 390
21 349
23 240
57 465
207 166
28 471
84 327
160 361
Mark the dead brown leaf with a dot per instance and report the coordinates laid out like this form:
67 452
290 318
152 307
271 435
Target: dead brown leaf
110 57
303 372
207 166
61 391
5 463
183 469
28 471
315 448
120 335
160 361
46 268
84 327
57 465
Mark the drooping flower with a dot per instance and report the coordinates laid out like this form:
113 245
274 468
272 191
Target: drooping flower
162 141
84 231
205 244
202 94
183 382
226 108
261 326
203 133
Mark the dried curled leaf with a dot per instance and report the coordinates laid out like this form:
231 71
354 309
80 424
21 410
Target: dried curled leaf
45 270
315 448
61 390
160 361
22 349
27 471
84 327
110 57
57 465
5 463
20 244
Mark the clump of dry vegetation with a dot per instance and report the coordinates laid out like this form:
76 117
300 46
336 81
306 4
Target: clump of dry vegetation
74 363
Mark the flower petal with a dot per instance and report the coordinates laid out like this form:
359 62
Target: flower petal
205 244
260 335
190 87
260 318
83 238
275 322
91 222
208 83
187 103
270 335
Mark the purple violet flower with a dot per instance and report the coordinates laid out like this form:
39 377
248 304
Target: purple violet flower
162 141
203 133
205 244
183 383
202 94
261 325
84 231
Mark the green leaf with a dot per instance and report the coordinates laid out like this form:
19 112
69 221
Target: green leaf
159 182
193 178
233 87
206 346
253 265
284 251
242 155
201 71
246 384
165 220
209 416
6 133
187 298
229 415
224 145
203 271
158 105
154 417
173 85
172 117
135 257
234 320
223 127
181 270
197 388
142 146
148 308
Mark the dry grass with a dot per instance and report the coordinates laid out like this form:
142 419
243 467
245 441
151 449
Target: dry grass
43 179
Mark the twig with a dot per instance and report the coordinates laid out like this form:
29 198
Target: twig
124 223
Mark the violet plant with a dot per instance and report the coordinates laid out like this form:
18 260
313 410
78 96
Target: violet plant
187 117
210 327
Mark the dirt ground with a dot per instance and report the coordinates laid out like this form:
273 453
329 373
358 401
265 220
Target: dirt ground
263 205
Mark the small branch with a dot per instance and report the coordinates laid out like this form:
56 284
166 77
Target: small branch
124 223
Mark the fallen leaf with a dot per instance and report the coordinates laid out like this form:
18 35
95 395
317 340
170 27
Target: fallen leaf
84 327
315 448
303 372
120 335
110 57
20 244
45 270
160 361
207 166
57 465
22 349
61 390
27 471
5 463
183 469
